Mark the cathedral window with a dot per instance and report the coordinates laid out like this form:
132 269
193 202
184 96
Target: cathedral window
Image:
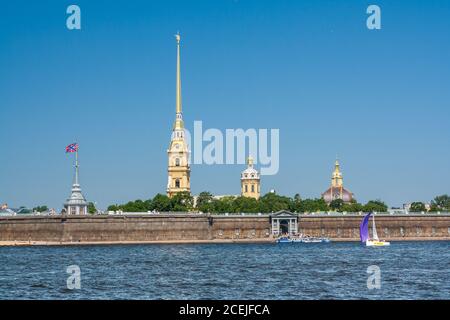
253 188
246 188
177 183
177 162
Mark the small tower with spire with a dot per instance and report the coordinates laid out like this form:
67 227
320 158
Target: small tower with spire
250 181
337 190
76 204
178 153
336 179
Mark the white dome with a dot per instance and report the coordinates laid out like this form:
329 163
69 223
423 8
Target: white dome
250 173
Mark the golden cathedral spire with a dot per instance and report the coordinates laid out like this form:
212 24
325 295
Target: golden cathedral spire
179 117
178 153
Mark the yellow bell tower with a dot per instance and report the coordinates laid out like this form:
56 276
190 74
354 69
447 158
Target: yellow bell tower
179 171
250 181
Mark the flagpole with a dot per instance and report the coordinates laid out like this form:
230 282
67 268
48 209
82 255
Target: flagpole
76 166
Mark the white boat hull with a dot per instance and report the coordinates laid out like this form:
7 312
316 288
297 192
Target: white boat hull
377 243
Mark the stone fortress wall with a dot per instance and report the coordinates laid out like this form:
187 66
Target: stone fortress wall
215 228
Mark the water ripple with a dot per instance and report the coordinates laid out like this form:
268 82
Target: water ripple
409 270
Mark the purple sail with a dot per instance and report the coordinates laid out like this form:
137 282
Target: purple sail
364 228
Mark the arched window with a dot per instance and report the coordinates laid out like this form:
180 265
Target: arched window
177 162
177 183
246 189
253 188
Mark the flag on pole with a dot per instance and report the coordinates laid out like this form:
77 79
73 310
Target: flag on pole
72 148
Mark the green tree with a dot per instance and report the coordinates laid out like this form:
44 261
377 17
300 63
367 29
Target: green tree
113 207
442 202
352 207
161 203
223 205
182 201
296 203
133 206
271 202
306 205
313 205
205 202
245 204
336 204
40 208
148 204
91 208
417 207
375 205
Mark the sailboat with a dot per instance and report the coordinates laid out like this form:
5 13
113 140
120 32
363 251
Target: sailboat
364 233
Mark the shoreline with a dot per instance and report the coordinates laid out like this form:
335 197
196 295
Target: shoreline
216 241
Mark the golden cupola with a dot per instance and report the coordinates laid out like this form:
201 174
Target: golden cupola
337 190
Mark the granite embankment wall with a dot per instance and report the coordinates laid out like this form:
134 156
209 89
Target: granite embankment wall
389 227
189 227
132 228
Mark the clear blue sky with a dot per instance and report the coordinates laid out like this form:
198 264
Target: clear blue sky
378 99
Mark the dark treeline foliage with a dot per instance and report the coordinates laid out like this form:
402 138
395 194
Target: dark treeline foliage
40 209
91 208
182 201
268 203
417 207
439 203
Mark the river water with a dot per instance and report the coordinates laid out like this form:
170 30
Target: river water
408 270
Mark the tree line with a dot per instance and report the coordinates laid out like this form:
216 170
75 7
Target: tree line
270 202
91 208
439 203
